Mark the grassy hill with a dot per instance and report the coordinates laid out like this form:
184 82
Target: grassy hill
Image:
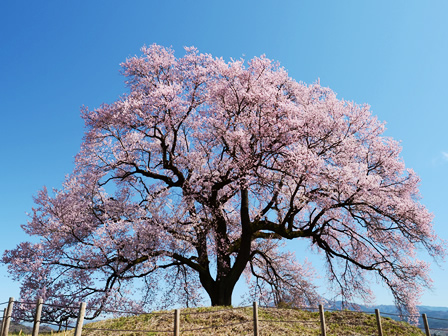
220 321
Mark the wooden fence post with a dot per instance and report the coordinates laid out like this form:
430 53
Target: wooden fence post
378 322
37 317
80 320
3 322
8 317
255 312
425 322
322 320
177 322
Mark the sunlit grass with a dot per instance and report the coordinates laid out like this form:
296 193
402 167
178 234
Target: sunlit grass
221 321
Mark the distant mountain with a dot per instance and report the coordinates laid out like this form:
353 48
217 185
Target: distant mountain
16 327
429 308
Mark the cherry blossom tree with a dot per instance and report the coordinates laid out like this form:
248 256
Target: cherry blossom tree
199 174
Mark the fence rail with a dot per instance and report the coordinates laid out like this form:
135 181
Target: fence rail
177 330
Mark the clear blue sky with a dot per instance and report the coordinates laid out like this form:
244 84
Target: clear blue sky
56 56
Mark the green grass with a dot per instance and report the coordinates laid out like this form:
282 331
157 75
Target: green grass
273 322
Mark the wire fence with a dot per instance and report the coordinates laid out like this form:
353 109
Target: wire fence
256 320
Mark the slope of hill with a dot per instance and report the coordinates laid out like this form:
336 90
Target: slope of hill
220 321
437 316
273 321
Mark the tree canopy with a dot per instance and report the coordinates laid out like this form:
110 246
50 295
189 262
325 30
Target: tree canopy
199 174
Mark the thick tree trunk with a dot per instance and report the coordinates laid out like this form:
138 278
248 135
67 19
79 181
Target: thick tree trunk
220 290
221 294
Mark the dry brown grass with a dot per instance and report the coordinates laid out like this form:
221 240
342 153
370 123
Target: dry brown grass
221 321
